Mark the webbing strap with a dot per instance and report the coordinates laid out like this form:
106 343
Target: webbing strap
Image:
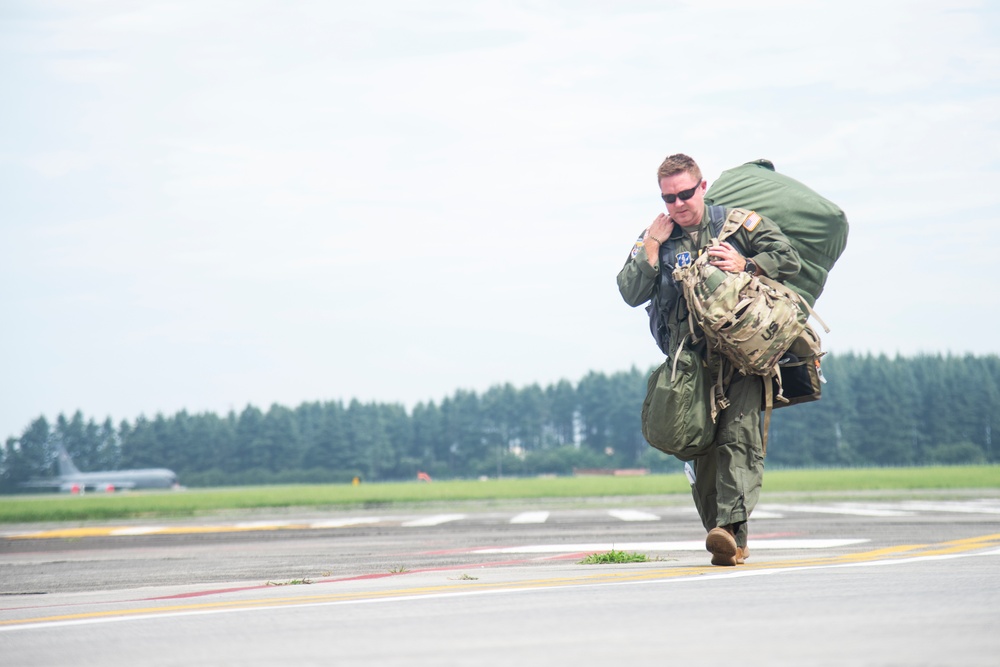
815 315
677 355
722 380
768 406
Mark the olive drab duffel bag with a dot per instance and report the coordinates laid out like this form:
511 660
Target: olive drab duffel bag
675 413
814 225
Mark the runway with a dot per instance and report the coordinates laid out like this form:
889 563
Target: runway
889 582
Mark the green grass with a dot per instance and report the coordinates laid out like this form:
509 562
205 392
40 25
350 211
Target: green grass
194 502
614 557
292 582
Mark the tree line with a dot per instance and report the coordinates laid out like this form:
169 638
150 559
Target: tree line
875 411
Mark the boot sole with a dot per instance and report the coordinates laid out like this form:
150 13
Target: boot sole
722 545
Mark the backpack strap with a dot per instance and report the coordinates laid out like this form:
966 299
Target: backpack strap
716 216
723 226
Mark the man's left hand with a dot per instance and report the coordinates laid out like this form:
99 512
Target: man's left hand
727 258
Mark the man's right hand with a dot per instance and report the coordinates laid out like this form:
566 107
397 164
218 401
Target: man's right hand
657 233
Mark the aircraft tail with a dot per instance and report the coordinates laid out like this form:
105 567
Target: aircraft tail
66 466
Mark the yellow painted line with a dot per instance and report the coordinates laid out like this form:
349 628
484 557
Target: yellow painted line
64 532
900 554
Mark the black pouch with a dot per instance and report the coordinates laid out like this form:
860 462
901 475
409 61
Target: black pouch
801 377
800 381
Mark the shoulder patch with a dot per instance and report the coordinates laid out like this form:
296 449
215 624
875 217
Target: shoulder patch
752 221
638 243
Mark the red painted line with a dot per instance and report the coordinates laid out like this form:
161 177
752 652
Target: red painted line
361 577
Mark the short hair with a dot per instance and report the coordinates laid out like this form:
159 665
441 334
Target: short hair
676 164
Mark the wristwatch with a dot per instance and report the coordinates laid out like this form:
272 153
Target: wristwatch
751 267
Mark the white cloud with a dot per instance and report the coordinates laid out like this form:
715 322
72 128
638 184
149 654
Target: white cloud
54 164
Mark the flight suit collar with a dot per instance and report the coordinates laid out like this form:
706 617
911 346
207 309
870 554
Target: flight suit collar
680 234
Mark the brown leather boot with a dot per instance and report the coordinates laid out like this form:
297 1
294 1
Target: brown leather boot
722 545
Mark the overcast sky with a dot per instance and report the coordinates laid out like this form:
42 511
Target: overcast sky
205 205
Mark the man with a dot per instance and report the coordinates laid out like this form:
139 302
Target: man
729 472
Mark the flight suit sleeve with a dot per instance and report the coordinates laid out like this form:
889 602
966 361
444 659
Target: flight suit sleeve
637 279
769 248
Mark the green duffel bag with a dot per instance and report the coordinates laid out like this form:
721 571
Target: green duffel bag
676 414
814 225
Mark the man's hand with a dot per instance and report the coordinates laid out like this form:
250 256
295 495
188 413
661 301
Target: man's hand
657 233
727 258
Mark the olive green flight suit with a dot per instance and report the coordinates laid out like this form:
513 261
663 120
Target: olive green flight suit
729 474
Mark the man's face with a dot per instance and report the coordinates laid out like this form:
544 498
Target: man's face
686 213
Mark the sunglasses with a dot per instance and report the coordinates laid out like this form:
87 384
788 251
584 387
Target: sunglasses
683 195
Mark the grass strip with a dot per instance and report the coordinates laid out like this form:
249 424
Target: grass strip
193 502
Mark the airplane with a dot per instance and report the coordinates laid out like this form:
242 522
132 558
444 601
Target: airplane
71 480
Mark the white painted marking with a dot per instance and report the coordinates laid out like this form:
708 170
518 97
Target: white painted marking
137 530
633 515
758 514
845 508
805 543
690 545
435 520
342 523
983 507
531 517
